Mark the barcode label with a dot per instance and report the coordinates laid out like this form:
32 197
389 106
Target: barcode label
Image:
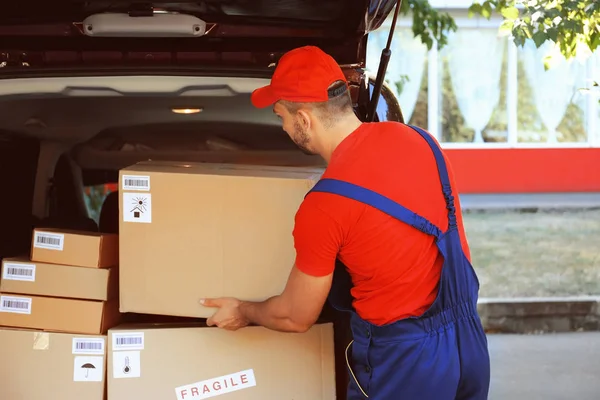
19 272
88 346
50 241
128 341
18 305
136 182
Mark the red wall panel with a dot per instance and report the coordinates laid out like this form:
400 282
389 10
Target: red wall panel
526 170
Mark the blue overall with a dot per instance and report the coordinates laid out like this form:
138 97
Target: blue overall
440 355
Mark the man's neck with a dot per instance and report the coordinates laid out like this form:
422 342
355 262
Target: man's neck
337 134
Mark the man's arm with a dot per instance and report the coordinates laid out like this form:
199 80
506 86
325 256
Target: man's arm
317 239
296 309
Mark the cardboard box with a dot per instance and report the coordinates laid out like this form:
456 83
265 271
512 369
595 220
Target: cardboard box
58 314
191 363
77 248
19 275
43 365
206 230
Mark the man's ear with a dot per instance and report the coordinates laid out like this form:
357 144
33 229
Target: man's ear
305 119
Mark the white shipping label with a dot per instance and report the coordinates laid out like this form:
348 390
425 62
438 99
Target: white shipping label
49 240
137 207
128 341
126 364
18 305
217 386
136 182
88 346
88 369
19 272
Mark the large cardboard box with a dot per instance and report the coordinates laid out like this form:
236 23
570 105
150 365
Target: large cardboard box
206 230
191 363
42 365
58 314
77 248
19 275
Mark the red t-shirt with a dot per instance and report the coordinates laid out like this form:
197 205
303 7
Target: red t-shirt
394 267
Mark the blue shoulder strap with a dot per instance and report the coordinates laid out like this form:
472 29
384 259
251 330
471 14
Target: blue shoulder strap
378 201
389 206
443 173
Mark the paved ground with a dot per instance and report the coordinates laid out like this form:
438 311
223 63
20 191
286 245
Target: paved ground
545 367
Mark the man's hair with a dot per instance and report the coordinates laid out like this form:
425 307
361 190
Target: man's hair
330 111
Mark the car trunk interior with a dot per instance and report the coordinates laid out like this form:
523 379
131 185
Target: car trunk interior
60 136
74 109
54 144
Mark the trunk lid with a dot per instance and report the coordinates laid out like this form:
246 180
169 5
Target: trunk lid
240 34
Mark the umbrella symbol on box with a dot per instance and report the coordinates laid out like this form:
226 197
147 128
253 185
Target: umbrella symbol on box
87 367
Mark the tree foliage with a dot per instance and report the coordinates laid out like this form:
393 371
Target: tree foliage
570 24
431 25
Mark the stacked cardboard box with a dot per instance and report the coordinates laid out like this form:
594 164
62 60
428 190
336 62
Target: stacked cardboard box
206 230
189 231
196 362
186 231
56 307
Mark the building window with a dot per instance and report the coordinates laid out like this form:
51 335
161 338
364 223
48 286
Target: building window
471 89
481 90
551 106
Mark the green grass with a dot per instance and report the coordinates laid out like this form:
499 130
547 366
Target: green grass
546 253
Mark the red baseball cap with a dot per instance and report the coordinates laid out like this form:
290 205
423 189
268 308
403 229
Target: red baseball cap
303 74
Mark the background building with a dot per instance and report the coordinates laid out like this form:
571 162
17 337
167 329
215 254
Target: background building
508 125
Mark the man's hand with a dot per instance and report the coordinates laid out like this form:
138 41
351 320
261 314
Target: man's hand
294 310
228 316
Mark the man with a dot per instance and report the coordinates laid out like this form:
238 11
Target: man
384 212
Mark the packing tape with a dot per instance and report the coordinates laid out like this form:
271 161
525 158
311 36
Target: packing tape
41 340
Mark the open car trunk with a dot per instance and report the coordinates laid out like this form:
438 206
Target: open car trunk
75 108
63 138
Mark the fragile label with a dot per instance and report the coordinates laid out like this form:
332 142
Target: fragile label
137 207
19 272
217 386
49 240
18 305
126 364
88 369
128 341
88 346
136 182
